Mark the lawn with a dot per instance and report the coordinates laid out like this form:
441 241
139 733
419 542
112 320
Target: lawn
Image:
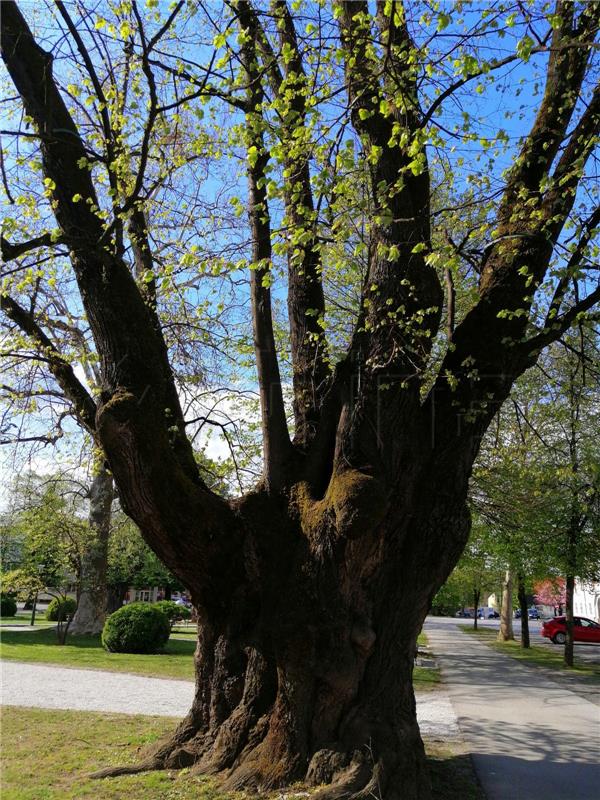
537 655
24 618
48 755
86 652
426 678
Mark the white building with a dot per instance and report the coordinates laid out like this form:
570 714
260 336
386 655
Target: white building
586 600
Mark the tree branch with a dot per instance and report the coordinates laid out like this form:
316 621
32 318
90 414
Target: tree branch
276 441
12 251
139 422
477 372
590 226
560 324
84 406
306 300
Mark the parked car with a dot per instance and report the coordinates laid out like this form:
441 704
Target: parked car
517 613
487 613
533 613
463 613
584 630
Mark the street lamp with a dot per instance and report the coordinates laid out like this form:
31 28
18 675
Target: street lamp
40 569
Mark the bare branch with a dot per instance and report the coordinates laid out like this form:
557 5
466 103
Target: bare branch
560 324
276 441
83 404
12 251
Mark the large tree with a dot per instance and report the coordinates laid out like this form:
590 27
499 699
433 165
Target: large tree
311 589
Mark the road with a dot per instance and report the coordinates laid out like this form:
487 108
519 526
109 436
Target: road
530 737
588 653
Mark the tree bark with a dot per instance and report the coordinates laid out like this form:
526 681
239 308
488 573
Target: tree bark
569 643
307 675
506 632
93 599
476 595
115 596
524 613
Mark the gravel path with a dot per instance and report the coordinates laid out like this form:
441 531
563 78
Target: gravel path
47 686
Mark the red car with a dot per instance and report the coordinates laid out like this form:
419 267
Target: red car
584 630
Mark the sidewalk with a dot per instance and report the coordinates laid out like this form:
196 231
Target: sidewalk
530 738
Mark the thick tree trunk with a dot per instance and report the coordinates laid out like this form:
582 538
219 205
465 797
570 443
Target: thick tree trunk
92 606
506 632
524 615
308 675
569 644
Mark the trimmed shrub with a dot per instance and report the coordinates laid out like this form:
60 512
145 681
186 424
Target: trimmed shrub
8 606
173 611
136 628
60 608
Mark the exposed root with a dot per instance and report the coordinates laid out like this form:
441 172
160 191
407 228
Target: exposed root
130 769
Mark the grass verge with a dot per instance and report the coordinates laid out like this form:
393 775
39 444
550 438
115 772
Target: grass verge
537 655
48 755
86 652
425 678
25 619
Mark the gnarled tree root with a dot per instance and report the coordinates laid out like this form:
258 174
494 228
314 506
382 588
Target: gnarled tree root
336 774
128 769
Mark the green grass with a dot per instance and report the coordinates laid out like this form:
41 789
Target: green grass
24 618
48 755
86 652
537 655
425 678
451 772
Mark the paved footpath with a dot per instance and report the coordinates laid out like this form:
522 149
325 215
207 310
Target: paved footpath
530 738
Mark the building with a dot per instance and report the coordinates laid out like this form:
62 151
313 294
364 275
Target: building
586 599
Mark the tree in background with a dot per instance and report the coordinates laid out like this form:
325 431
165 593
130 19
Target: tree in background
551 592
477 570
46 539
312 588
537 479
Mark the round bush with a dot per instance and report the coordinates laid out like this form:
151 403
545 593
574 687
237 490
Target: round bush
8 606
60 608
136 628
173 610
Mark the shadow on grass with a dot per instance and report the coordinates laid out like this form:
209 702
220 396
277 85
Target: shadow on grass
452 776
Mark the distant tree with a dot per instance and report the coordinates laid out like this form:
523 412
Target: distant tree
551 592
45 535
